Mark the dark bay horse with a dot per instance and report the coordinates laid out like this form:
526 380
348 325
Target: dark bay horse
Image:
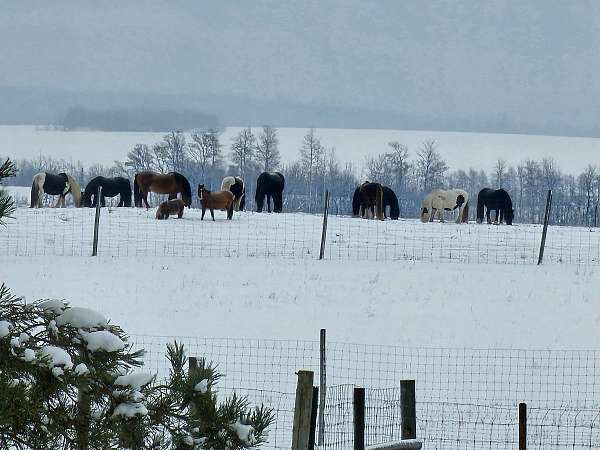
498 200
270 184
171 183
371 199
53 184
222 200
111 187
389 199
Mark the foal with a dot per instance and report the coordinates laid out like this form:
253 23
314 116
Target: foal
222 200
170 207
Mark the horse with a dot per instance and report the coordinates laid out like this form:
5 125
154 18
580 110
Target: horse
439 200
371 200
498 200
389 199
237 188
49 183
270 184
165 209
111 187
171 183
222 200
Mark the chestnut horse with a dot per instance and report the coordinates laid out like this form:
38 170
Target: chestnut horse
222 200
171 183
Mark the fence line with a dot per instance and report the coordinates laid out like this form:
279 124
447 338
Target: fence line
126 232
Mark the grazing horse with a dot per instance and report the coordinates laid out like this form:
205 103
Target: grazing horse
389 199
111 187
237 188
498 200
170 183
49 183
270 184
170 207
222 200
371 200
439 200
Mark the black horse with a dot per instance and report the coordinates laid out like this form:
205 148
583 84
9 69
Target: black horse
270 184
498 200
110 188
389 199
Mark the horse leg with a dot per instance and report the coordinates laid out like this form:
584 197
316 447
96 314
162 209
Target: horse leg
432 214
203 211
212 214
487 215
145 199
501 216
496 217
269 202
460 214
102 201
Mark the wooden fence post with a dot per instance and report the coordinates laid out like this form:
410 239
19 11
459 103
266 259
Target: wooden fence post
313 418
546 217
324 232
322 386
408 409
522 426
358 403
96 222
302 410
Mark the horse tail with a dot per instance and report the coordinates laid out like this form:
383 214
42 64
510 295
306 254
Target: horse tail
35 193
259 195
465 216
75 190
356 202
394 207
379 199
187 190
480 208
137 195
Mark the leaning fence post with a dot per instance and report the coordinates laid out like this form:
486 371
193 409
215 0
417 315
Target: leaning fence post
324 232
322 387
522 426
313 418
97 222
358 403
408 409
545 231
302 410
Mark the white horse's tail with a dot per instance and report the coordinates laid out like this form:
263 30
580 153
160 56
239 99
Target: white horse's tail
37 190
75 190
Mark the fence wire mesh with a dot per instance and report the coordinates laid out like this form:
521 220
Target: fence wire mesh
466 398
128 232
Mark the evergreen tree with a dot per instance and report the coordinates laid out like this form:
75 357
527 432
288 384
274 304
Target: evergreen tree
7 206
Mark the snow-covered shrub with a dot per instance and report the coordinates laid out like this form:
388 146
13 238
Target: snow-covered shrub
69 379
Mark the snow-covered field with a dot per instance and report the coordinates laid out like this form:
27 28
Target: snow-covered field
251 295
461 150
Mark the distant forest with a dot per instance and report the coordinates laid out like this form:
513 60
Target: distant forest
411 173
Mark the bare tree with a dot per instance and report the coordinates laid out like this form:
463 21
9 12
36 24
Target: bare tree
430 168
586 184
500 168
267 149
311 156
398 164
140 158
175 148
242 150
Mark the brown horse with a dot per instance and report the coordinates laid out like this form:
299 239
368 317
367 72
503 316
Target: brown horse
171 183
222 200
170 207
371 198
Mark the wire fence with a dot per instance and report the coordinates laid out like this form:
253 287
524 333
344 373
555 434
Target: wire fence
126 232
466 398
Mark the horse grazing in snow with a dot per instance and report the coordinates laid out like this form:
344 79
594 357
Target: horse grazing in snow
170 207
53 184
222 200
270 184
171 183
389 199
111 187
439 200
237 188
498 200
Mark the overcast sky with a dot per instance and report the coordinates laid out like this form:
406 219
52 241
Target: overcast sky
535 61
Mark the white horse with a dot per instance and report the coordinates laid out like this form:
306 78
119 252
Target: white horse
439 200
49 183
236 186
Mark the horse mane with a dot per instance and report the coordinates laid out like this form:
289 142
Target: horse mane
390 198
185 183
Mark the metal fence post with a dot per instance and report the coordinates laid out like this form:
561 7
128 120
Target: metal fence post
322 386
545 231
522 426
358 406
313 418
97 222
408 409
324 232
302 410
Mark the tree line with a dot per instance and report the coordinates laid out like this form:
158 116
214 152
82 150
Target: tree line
204 158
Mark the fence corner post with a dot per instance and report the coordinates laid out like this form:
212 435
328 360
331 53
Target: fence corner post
324 232
302 410
522 426
358 407
545 230
408 409
97 222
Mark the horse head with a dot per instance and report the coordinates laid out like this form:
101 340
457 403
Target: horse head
201 191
